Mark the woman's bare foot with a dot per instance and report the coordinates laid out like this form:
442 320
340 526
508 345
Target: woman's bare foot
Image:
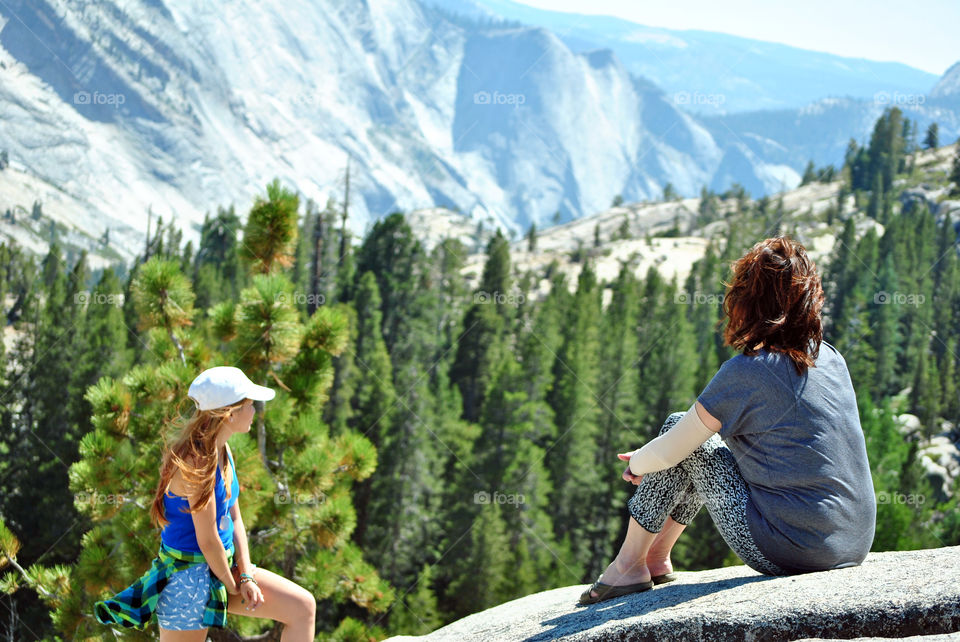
623 574
658 555
660 566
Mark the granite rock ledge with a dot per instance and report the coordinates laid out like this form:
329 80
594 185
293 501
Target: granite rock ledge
891 595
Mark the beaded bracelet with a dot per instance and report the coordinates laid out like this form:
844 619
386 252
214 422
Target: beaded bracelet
244 580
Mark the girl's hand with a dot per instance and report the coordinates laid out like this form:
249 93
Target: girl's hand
252 595
627 475
233 588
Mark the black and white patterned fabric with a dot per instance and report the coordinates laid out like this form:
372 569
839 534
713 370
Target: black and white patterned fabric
708 476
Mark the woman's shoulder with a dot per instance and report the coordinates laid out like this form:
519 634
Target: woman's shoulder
745 363
828 349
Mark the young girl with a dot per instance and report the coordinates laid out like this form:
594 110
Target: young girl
191 584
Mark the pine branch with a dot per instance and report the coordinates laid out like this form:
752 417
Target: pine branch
44 593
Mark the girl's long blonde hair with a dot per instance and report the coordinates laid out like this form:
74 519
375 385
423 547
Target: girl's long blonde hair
194 453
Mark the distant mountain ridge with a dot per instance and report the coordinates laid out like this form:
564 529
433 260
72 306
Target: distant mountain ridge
111 109
709 72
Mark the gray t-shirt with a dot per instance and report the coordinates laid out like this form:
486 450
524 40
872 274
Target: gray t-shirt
800 448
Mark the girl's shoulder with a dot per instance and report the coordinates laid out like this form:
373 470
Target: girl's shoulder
178 485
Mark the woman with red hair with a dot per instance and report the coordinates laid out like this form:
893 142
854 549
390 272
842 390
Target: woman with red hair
773 445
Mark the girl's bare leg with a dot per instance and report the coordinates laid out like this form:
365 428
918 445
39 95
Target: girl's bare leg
196 635
283 601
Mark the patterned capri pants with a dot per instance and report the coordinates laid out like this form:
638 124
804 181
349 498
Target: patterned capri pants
709 475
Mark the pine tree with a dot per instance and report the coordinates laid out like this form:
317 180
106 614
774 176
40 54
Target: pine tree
893 466
853 331
932 138
216 265
666 369
925 395
416 612
479 351
269 238
483 575
392 254
481 345
949 402
705 279
164 299
885 339
297 477
374 395
496 282
42 440
574 403
617 383
100 346
955 170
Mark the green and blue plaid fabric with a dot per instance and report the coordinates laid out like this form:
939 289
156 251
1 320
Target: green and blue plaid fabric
134 606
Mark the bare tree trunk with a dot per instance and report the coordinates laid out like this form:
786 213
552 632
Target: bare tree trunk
179 346
316 264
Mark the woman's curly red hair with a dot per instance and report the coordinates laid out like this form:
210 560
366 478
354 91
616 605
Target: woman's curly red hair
774 301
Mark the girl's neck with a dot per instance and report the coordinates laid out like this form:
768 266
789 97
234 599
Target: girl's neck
221 441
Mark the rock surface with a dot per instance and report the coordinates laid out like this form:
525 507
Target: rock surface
890 595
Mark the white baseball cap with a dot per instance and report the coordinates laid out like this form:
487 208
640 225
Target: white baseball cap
224 385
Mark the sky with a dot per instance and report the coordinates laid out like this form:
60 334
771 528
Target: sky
922 33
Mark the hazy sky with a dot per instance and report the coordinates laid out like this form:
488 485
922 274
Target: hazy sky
921 33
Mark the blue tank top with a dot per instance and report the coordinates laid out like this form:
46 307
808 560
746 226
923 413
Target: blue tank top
180 532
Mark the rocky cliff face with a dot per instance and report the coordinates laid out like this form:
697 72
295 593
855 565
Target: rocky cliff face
117 107
949 83
712 73
890 595
183 107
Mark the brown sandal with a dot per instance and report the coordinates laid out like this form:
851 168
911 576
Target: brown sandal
663 579
607 592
